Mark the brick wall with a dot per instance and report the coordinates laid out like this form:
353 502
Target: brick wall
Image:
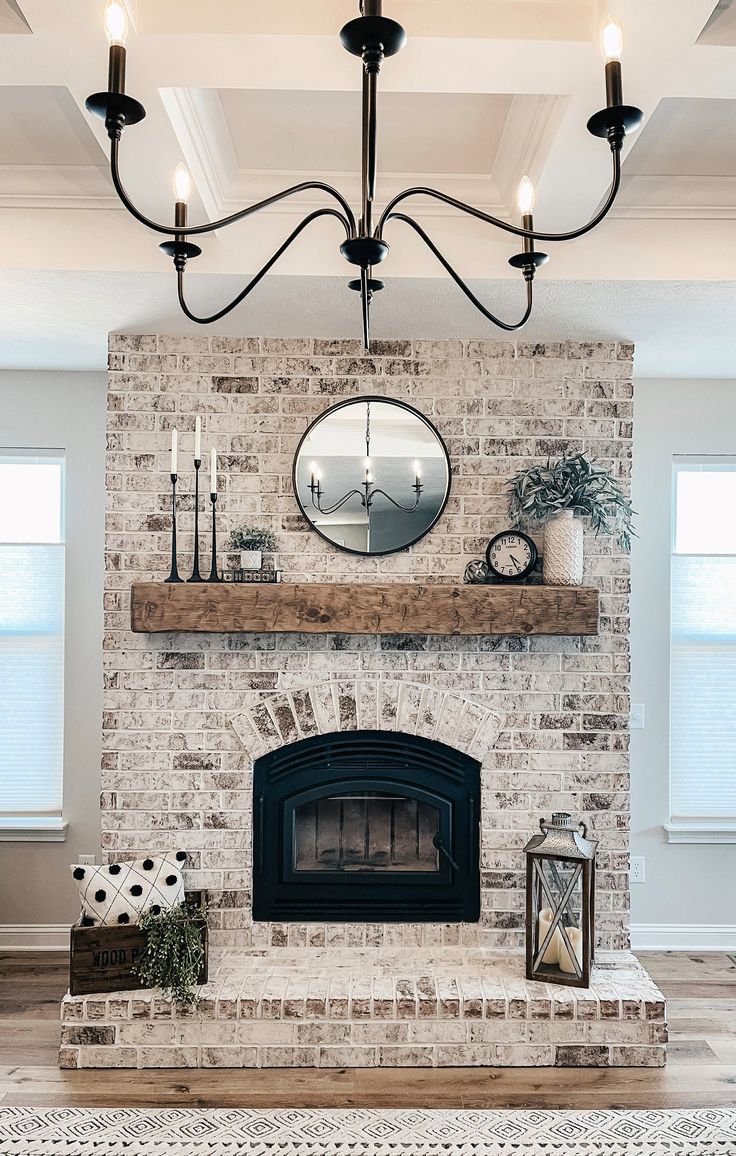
176 768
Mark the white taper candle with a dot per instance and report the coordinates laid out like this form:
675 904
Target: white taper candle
174 450
213 471
198 439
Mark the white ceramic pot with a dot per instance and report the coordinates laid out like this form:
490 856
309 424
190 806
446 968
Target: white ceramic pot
562 564
251 559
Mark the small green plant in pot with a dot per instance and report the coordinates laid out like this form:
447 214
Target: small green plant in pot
174 953
250 542
551 496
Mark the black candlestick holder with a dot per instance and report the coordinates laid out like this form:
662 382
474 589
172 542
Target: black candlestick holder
214 576
196 576
174 573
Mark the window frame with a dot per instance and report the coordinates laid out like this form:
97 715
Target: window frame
682 828
43 826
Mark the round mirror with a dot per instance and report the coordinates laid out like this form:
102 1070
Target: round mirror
372 475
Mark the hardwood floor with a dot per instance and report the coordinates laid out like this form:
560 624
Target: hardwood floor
701 996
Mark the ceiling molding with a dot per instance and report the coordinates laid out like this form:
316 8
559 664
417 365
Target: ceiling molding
670 197
12 20
56 187
525 145
253 185
201 128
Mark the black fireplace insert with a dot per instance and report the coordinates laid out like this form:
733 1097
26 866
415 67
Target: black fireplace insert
366 826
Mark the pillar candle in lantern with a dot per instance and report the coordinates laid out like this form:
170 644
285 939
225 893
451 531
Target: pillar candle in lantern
566 963
551 955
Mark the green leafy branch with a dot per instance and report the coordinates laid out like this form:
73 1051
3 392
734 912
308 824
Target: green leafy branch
172 959
572 483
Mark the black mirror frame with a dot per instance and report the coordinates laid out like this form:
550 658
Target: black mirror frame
389 401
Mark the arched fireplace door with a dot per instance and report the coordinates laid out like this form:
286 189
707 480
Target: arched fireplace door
366 826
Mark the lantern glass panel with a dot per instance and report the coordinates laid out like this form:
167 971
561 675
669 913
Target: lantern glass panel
558 891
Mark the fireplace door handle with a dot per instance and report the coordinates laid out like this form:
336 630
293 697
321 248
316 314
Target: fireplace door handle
437 841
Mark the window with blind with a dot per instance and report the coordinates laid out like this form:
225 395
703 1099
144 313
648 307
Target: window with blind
703 645
31 641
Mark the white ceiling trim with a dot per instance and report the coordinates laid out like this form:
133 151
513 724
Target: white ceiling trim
255 185
56 187
200 126
525 145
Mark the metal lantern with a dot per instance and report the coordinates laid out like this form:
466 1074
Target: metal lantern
560 900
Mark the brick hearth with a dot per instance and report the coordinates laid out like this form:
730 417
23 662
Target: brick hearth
359 1008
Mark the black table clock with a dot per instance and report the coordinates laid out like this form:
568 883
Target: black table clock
511 556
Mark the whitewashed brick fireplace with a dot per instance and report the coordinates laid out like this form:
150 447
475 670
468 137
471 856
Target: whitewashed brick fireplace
187 714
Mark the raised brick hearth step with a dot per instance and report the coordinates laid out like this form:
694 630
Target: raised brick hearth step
360 1008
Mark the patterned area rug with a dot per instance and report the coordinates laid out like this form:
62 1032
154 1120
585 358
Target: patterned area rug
304 1132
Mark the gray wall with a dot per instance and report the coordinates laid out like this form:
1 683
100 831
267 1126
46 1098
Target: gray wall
685 883
66 411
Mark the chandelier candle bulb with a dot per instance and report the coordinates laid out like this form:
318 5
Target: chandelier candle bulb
612 43
526 199
116 31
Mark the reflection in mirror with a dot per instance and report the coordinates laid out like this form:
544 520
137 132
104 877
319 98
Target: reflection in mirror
372 475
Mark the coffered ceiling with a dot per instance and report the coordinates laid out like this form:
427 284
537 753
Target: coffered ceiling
255 96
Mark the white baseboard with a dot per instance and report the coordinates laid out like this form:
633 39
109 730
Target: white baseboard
36 936
683 936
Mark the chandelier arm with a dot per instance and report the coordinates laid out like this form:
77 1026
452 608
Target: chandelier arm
210 226
261 272
337 505
534 235
509 327
406 509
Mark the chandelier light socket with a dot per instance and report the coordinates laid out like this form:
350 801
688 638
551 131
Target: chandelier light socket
181 252
615 122
116 109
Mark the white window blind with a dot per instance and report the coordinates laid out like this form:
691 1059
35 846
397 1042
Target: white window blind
703 641
31 634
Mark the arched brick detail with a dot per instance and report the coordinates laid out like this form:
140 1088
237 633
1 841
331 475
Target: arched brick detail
272 718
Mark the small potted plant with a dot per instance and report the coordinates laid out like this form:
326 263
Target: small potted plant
175 957
552 495
250 542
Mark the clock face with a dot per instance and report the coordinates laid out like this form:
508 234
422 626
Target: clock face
511 555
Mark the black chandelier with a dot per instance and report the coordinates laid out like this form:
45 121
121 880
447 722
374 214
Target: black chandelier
373 37
366 491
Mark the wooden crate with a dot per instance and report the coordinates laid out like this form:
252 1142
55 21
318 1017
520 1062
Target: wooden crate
102 958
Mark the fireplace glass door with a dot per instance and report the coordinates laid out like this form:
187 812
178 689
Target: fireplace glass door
366 825
366 831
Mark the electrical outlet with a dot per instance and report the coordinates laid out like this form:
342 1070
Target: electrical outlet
86 859
637 873
636 717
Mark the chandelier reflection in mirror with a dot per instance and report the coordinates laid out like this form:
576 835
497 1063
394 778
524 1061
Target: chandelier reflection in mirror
373 37
372 475
368 491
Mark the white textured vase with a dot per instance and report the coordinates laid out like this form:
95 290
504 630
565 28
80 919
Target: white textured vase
562 564
251 559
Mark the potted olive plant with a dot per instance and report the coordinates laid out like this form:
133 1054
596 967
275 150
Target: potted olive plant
250 542
552 495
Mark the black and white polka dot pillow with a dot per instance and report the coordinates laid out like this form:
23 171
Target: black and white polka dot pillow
119 892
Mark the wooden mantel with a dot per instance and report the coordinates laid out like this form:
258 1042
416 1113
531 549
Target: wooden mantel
332 608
